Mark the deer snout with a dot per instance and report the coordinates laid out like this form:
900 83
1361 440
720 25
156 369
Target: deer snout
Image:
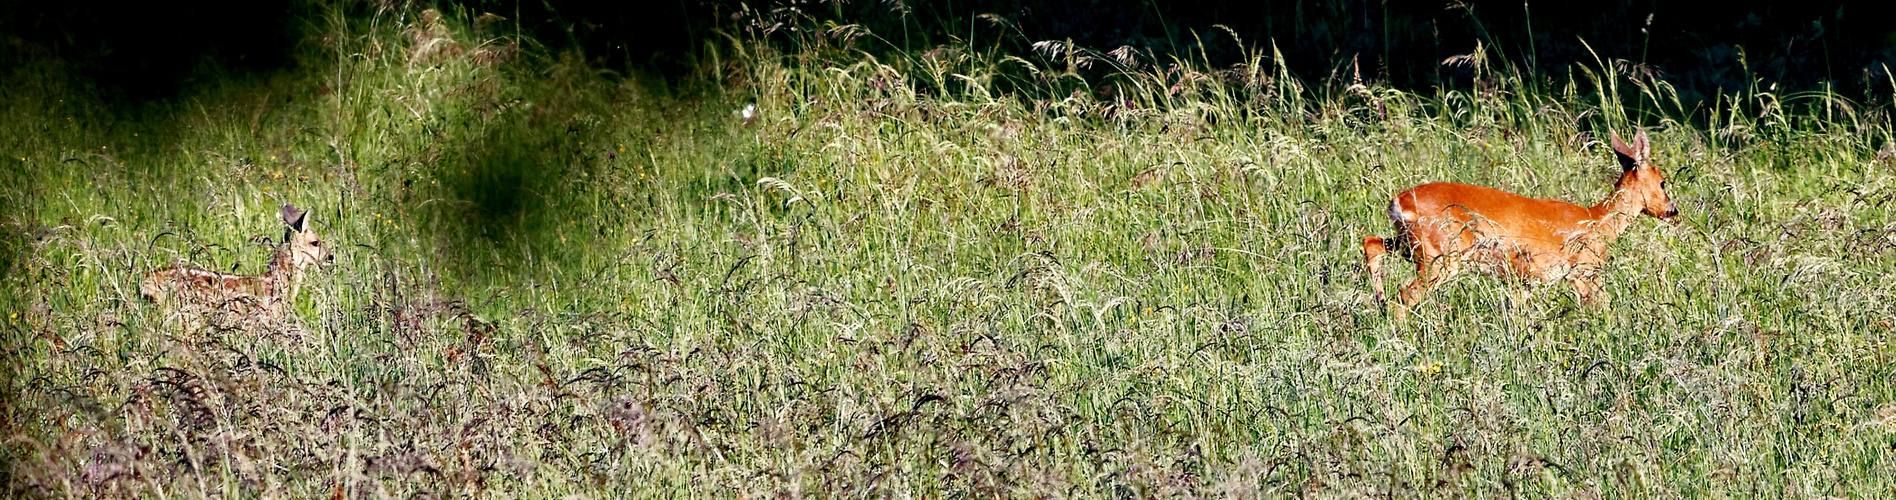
1670 212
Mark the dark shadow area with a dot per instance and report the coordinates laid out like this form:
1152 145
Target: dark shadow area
513 182
505 176
151 50
1796 45
660 38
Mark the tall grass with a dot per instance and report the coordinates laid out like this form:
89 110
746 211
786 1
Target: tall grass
960 272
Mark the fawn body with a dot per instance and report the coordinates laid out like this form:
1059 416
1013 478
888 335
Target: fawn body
1445 227
192 291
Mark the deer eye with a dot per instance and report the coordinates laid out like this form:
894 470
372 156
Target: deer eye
316 243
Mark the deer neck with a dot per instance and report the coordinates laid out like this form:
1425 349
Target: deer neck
282 277
1613 215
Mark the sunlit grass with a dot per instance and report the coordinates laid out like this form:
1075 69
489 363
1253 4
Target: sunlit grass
956 273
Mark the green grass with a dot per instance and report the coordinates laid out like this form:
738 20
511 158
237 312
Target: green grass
952 274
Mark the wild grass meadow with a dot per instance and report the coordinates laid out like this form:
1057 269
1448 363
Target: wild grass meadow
958 273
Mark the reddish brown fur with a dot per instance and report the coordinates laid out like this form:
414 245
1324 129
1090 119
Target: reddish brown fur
1444 227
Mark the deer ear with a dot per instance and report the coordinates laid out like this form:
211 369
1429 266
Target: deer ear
1643 145
1628 155
293 217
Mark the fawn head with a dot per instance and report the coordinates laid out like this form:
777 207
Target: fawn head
302 246
1640 179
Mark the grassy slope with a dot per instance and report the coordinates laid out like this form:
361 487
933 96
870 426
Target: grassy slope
902 280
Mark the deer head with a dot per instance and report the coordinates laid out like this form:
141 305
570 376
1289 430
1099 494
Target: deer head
1640 180
301 246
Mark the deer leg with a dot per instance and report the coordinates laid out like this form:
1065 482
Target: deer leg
1527 274
1521 296
1430 272
1588 287
1373 253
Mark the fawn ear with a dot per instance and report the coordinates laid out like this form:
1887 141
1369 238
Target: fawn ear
1642 146
293 217
1629 156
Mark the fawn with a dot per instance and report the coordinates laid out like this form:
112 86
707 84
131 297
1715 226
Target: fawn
215 295
1442 226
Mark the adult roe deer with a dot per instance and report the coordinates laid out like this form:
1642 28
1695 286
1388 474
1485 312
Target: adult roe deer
245 298
1443 226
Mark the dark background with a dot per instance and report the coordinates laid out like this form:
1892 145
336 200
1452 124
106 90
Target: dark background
151 50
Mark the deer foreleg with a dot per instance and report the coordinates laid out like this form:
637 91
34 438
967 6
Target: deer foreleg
1430 272
1373 253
